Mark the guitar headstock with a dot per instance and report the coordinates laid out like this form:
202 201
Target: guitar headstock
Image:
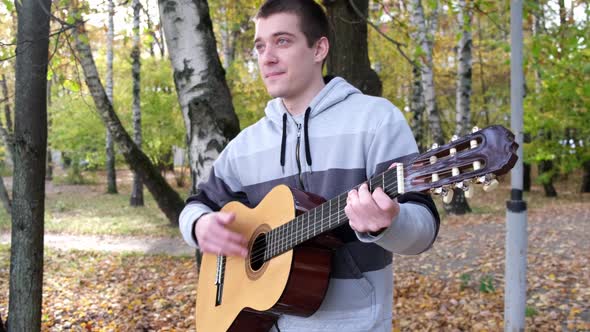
475 158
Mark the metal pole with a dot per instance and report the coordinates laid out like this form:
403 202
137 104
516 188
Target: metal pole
516 214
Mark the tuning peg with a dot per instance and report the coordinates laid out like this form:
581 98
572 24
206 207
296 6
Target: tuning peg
474 129
447 195
454 138
434 146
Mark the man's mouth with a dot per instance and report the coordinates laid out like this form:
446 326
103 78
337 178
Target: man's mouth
274 74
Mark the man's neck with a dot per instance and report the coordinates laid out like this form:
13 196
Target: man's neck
297 105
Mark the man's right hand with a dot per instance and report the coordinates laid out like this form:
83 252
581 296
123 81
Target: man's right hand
214 237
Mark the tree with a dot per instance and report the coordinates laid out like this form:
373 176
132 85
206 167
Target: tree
203 94
458 204
30 142
110 145
7 138
167 199
349 55
137 188
425 34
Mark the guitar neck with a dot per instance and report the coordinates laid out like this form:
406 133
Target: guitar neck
323 218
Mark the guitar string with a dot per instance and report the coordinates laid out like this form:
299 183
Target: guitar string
306 231
299 231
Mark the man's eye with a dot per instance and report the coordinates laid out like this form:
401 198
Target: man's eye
282 41
259 47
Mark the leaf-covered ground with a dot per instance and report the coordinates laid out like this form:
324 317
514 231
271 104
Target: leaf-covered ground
456 286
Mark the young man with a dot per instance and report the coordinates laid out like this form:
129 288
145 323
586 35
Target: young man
349 137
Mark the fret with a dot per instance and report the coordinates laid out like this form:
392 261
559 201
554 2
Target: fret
290 228
315 215
267 248
338 211
281 239
322 215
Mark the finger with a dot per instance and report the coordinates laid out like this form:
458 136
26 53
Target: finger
366 199
233 249
353 201
222 234
383 201
225 217
228 247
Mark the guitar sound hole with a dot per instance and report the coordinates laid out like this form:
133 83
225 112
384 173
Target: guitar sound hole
258 249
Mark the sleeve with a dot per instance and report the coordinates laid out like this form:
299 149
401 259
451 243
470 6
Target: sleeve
221 187
415 228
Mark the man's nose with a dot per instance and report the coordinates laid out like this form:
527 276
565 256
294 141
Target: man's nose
269 55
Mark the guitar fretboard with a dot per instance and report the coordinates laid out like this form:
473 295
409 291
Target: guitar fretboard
322 219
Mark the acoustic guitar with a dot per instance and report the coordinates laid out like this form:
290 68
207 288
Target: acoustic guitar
287 268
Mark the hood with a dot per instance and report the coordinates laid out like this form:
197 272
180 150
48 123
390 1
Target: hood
336 90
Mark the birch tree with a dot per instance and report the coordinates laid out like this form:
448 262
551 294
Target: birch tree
167 199
30 149
425 37
458 204
110 145
6 133
203 94
137 188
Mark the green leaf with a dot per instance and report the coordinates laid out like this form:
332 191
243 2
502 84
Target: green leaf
72 85
9 5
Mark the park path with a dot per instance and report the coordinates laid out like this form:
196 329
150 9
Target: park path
147 245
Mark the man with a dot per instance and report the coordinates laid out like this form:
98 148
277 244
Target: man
349 137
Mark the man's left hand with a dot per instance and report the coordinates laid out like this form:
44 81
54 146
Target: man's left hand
370 212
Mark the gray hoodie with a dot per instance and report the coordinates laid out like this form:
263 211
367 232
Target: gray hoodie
343 139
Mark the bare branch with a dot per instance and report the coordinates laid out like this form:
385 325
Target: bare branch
391 40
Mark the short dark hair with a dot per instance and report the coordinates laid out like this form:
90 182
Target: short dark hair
312 18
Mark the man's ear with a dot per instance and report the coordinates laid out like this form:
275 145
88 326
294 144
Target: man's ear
322 47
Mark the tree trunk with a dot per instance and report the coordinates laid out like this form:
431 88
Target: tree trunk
458 204
6 131
349 53
30 137
110 145
546 169
7 112
167 199
203 94
425 41
5 198
526 181
585 188
417 108
49 165
137 189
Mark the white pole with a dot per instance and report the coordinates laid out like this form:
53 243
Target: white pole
516 214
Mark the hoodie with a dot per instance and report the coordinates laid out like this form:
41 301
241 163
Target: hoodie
343 139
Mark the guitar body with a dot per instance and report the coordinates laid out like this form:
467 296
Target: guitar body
253 296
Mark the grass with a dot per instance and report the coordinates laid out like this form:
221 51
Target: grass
87 209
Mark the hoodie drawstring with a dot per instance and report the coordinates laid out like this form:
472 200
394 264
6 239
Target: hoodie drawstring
284 141
307 150
306 138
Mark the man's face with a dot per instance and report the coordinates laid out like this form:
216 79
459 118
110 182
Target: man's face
286 62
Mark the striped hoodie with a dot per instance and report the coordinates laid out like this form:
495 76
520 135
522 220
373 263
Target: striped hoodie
342 140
